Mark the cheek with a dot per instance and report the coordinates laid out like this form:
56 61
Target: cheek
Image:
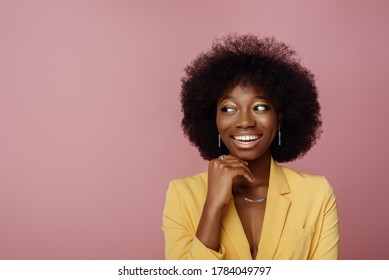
269 122
222 123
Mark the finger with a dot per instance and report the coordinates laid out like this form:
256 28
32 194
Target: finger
232 162
231 157
236 158
233 167
242 171
235 163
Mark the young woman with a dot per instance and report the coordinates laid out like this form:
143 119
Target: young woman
248 105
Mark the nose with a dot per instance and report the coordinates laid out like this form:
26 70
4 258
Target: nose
245 120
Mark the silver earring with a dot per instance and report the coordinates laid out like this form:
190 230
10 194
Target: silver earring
220 141
279 136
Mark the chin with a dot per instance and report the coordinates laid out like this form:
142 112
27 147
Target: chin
251 155
247 156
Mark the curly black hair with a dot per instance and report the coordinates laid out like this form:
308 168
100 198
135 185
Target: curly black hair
263 63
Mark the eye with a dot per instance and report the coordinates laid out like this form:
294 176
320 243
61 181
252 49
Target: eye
261 107
228 109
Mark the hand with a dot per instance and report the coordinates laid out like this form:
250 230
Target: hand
221 172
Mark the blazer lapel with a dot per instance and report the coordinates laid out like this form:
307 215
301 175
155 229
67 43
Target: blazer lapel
277 207
234 230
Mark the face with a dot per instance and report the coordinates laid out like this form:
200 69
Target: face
247 122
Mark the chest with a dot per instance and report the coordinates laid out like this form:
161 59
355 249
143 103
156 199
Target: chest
251 216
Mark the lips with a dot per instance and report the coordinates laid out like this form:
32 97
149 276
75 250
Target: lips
246 140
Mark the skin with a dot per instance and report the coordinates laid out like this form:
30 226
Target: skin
241 111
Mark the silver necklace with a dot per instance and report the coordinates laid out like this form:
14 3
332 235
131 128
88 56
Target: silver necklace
262 199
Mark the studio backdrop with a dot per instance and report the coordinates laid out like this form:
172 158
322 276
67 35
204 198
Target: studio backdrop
90 116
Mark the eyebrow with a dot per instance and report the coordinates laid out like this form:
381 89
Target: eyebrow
233 98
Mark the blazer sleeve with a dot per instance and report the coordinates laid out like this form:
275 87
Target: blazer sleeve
328 243
181 242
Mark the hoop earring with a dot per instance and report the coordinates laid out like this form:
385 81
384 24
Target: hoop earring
279 136
219 141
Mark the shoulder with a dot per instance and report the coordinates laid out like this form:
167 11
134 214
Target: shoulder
294 176
189 190
195 181
316 185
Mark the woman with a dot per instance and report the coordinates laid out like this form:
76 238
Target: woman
247 104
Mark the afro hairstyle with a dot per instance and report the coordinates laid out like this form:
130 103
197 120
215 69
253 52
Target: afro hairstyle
262 63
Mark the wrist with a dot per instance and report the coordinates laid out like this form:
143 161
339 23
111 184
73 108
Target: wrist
213 207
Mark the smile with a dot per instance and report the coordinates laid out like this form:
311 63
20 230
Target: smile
246 140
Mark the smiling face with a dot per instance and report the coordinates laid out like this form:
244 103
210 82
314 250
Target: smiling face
247 122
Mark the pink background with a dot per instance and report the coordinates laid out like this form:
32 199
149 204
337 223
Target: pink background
90 117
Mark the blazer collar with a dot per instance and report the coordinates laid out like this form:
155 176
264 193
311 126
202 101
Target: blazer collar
277 207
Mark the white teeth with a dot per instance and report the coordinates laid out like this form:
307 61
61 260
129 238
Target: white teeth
246 137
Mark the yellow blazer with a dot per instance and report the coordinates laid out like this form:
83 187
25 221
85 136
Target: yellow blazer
301 220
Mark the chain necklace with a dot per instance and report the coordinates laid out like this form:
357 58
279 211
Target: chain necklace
262 199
